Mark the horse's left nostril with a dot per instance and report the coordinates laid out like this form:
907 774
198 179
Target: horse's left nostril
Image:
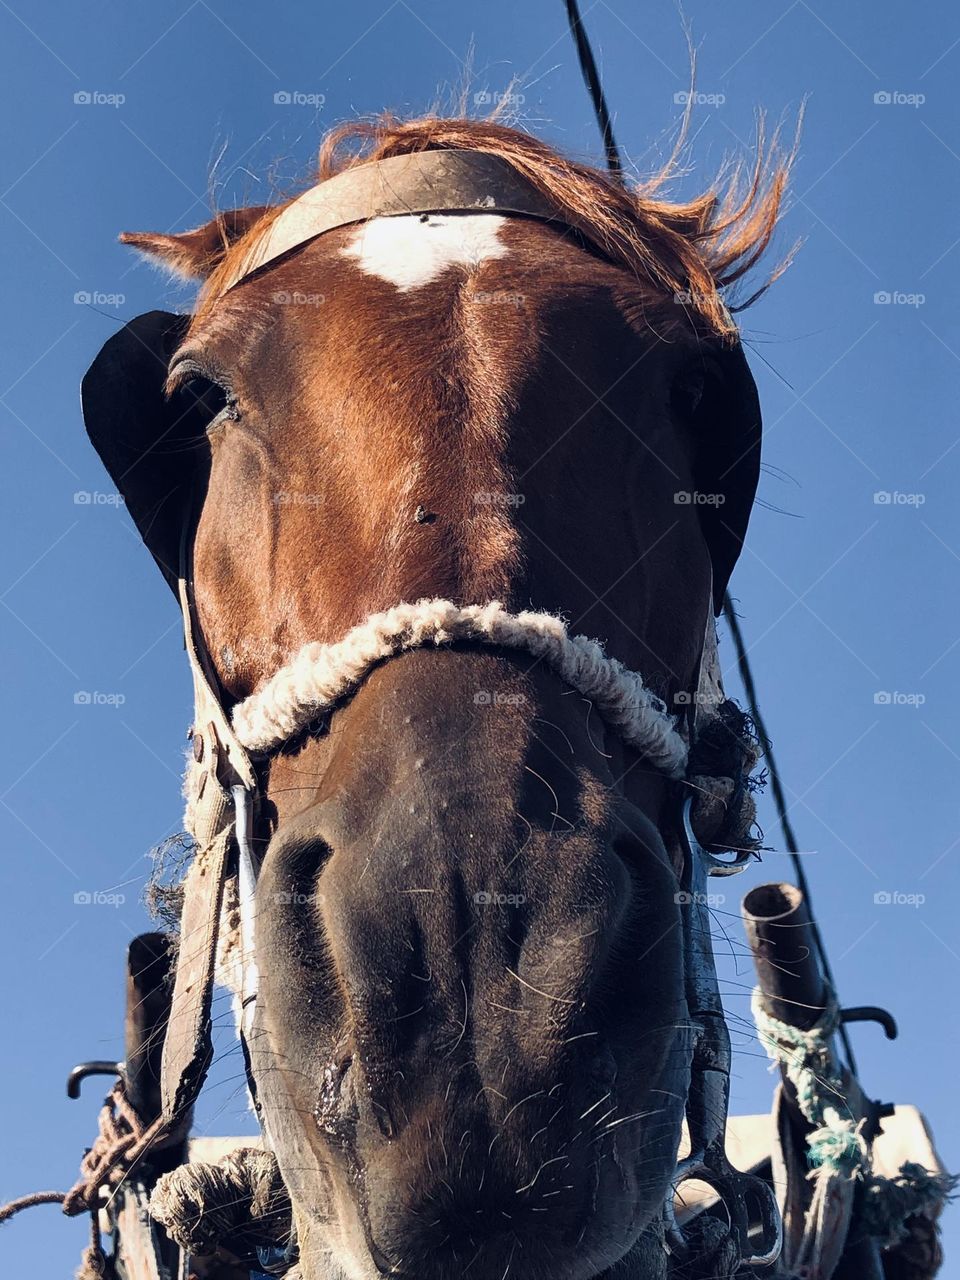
384 1119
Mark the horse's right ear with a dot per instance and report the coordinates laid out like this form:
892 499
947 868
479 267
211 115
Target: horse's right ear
151 445
194 254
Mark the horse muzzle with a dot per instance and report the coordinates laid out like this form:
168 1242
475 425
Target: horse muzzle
471 1028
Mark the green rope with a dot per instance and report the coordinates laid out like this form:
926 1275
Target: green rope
806 1056
836 1145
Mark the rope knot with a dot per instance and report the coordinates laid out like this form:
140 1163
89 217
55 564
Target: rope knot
838 1145
240 1202
123 1137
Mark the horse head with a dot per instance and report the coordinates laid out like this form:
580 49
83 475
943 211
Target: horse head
470 1045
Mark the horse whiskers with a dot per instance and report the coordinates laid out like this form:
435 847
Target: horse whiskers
550 724
594 1106
556 800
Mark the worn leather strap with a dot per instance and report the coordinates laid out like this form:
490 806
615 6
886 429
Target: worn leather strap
222 756
417 182
220 763
187 1046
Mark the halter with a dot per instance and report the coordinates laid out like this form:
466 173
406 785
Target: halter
223 793
222 786
320 677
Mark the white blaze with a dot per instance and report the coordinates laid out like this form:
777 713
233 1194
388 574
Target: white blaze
411 251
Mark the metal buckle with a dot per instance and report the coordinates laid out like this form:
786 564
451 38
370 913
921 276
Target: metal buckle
745 1197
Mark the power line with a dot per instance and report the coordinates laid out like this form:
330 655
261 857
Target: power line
588 68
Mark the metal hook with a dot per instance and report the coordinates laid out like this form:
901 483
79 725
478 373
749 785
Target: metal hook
98 1067
872 1013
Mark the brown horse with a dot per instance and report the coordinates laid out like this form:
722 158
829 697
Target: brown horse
470 1047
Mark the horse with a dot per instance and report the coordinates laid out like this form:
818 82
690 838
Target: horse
461 390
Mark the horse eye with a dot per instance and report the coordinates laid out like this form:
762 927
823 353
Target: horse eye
687 392
194 389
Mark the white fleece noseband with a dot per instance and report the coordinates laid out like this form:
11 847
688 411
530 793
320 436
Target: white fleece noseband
321 675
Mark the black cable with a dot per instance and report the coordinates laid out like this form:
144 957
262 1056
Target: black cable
588 67
790 839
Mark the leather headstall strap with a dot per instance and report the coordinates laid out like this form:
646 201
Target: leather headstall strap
722 758
424 182
221 774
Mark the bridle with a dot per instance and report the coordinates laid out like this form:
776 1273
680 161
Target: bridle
223 786
224 793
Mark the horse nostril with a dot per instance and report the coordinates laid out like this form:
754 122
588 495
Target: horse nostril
340 1101
384 1119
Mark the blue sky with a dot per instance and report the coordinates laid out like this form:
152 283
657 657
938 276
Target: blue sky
845 598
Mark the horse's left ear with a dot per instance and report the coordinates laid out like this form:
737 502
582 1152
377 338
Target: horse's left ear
194 254
727 429
151 445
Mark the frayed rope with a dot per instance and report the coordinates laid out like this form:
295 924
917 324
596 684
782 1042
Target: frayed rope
320 675
240 1203
836 1147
